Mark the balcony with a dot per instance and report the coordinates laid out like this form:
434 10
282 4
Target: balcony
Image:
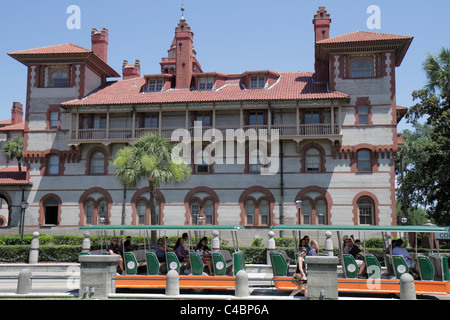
295 132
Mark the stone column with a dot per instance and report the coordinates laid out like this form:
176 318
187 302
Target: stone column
322 277
34 249
97 273
86 245
241 286
407 288
270 246
328 248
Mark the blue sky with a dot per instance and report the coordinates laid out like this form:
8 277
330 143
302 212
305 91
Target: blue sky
231 36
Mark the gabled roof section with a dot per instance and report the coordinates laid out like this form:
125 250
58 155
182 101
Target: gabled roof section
366 41
290 86
64 53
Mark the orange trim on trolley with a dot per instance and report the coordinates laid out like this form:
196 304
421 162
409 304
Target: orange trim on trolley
374 286
186 282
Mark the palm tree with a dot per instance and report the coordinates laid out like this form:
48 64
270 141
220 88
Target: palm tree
151 159
14 149
437 69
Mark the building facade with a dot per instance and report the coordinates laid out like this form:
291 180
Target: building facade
327 138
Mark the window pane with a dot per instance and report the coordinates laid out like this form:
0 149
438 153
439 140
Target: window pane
53 120
103 212
321 210
306 211
209 212
250 212
364 163
365 206
142 209
89 211
195 211
361 69
53 164
98 163
264 212
362 114
312 160
59 79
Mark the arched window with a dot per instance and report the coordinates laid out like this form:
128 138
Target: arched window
250 212
306 212
361 69
312 160
366 211
98 163
51 207
59 78
364 162
89 212
53 165
264 209
321 211
142 211
195 211
209 212
102 211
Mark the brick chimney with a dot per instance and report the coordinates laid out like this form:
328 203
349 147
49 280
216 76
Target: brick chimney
130 71
16 113
321 23
100 43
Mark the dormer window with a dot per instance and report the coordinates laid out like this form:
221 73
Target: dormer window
257 81
205 83
155 85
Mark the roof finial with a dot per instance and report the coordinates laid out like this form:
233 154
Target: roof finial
182 11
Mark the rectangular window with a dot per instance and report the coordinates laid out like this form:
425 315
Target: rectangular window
257 82
256 118
99 122
205 118
312 117
53 165
364 163
363 115
151 121
205 83
54 120
155 84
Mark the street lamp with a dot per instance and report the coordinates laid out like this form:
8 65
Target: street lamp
24 206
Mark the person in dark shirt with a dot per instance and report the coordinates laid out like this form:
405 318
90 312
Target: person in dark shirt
113 249
355 251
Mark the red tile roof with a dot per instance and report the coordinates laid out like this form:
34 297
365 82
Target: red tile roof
11 176
63 53
14 127
360 36
60 48
289 86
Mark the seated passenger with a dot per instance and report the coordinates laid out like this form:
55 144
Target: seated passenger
161 249
355 251
181 254
206 258
399 250
314 248
113 249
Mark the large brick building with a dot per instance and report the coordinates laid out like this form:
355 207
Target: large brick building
337 131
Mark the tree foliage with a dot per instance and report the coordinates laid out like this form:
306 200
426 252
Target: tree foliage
426 152
149 159
14 149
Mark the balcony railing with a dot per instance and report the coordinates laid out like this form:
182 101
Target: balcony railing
285 130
